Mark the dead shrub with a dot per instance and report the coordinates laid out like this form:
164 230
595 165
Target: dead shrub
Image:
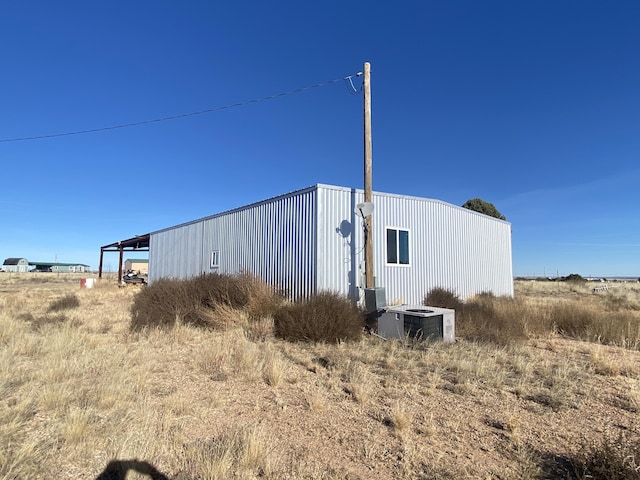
27 317
548 398
325 317
220 289
612 459
162 304
590 323
211 301
485 317
220 316
615 302
264 300
443 298
65 303
501 320
38 323
242 452
573 319
259 330
504 320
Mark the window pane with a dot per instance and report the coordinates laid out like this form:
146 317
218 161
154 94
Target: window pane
404 246
392 246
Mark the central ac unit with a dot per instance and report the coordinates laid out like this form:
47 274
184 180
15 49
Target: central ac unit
418 322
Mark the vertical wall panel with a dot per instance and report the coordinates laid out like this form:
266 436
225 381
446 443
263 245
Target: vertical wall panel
274 240
312 240
449 246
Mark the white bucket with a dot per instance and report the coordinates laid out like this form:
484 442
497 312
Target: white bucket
87 282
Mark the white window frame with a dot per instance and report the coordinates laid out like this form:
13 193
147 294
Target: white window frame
214 262
386 246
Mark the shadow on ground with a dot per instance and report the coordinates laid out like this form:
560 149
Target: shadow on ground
118 469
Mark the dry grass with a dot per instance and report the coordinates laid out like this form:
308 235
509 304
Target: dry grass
325 317
542 309
84 395
210 301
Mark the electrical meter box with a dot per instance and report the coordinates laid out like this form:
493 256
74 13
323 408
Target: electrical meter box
374 299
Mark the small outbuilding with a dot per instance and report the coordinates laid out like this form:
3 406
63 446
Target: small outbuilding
15 265
138 265
312 240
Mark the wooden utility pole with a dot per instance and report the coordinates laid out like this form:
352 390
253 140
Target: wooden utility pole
368 245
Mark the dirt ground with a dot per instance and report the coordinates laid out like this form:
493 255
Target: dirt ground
79 391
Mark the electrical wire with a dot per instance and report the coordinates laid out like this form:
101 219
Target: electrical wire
350 87
178 116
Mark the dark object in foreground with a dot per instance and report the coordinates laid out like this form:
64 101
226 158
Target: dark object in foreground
118 469
133 279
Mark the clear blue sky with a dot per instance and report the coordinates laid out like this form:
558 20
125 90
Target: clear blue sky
533 106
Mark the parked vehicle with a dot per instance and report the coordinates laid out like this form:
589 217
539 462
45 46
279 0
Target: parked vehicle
132 278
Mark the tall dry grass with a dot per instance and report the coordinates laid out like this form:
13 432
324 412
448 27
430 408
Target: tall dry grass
85 395
203 301
541 309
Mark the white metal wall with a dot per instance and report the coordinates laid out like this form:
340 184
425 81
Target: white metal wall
340 240
449 246
274 239
312 240
176 252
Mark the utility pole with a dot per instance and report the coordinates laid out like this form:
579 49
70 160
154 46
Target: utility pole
368 245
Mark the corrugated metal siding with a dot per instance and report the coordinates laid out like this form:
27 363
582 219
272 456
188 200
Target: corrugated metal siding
274 239
312 240
450 247
340 240
176 253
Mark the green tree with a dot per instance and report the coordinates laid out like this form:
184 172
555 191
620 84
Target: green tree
479 205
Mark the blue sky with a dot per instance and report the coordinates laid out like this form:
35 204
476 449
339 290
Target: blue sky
533 106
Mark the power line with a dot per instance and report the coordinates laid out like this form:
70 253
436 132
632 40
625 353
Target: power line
181 115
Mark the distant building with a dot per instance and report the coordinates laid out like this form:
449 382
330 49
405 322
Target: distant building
15 265
137 265
59 267
23 265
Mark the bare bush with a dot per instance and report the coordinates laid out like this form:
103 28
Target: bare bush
65 303
612 459
38 323
443 298
594 323
205 301
485 317
240 453
503 320
162 304
219 289
325 317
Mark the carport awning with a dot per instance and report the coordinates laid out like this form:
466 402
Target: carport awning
139 243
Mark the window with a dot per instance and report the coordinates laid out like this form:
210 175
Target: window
215 259
397 246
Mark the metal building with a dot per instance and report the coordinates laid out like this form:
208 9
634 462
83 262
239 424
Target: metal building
15 265
60 267
140 265
312 240
23 265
